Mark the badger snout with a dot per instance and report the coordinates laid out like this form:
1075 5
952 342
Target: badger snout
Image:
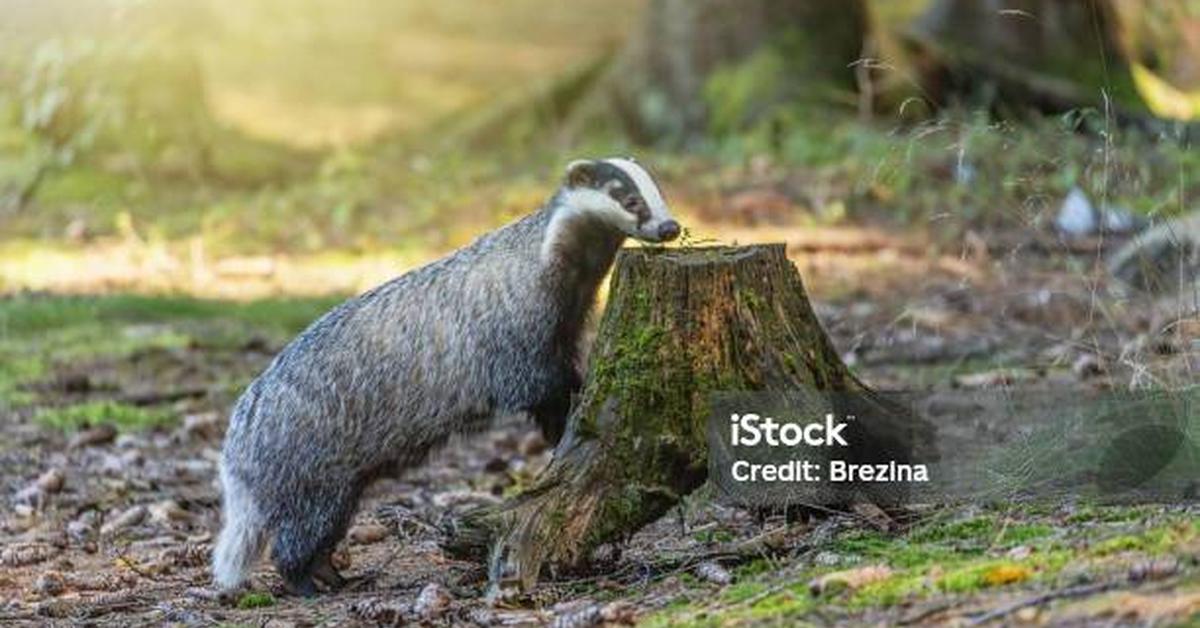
668 230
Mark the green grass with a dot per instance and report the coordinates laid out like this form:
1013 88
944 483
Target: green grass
255 600
39 332
124 417
960 555
29 314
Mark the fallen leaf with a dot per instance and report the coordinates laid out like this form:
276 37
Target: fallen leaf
849 579
994 379
368 533
875 516
1006 574
98 435
52 481
126 519
168 511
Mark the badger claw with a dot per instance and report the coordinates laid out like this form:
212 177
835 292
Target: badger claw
326 574
302 586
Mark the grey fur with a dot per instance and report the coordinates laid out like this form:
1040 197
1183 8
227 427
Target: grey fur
374 385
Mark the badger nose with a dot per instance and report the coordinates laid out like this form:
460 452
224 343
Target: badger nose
668 231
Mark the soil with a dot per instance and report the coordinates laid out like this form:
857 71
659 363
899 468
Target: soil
126 538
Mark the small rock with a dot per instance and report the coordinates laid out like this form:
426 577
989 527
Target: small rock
596 615
81 529
98 435
1020 552
713 572
112 465
129 518
204 425
368 533
432 602
827 559
131 441
532 444
1151 570
168 511
52 481
1077 217
50 584
31 495
1088 366
849 579
1119 220
579 616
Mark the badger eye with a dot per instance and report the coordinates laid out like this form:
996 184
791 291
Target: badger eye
631 203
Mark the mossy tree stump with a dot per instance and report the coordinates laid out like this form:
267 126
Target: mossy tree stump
680 324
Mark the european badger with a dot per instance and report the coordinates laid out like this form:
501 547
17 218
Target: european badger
376 383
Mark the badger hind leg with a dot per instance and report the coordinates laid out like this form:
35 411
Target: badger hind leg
305 540
243 535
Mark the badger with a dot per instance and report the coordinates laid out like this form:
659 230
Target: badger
374 385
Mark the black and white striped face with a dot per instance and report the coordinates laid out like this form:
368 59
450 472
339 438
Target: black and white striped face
622 193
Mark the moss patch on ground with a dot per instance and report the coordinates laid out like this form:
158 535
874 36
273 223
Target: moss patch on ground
954 554
120 415
41 333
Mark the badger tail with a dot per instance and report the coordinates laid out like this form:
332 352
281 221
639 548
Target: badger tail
243 535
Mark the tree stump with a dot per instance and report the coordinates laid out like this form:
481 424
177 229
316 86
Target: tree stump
680 324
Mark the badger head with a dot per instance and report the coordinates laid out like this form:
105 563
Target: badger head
621 194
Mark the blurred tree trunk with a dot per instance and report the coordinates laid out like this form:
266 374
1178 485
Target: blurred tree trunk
664 86
699 69
1058 55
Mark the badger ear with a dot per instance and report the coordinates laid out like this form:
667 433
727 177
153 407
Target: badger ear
580 173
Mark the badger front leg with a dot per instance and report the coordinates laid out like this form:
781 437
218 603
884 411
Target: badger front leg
551 414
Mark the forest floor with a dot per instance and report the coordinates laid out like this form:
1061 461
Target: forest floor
115 407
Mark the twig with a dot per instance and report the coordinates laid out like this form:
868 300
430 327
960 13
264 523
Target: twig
927 613
153 397
1038 600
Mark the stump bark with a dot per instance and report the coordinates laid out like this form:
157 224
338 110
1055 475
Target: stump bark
679 325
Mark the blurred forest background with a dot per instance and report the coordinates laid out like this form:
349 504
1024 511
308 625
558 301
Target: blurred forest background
977 193
196 132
